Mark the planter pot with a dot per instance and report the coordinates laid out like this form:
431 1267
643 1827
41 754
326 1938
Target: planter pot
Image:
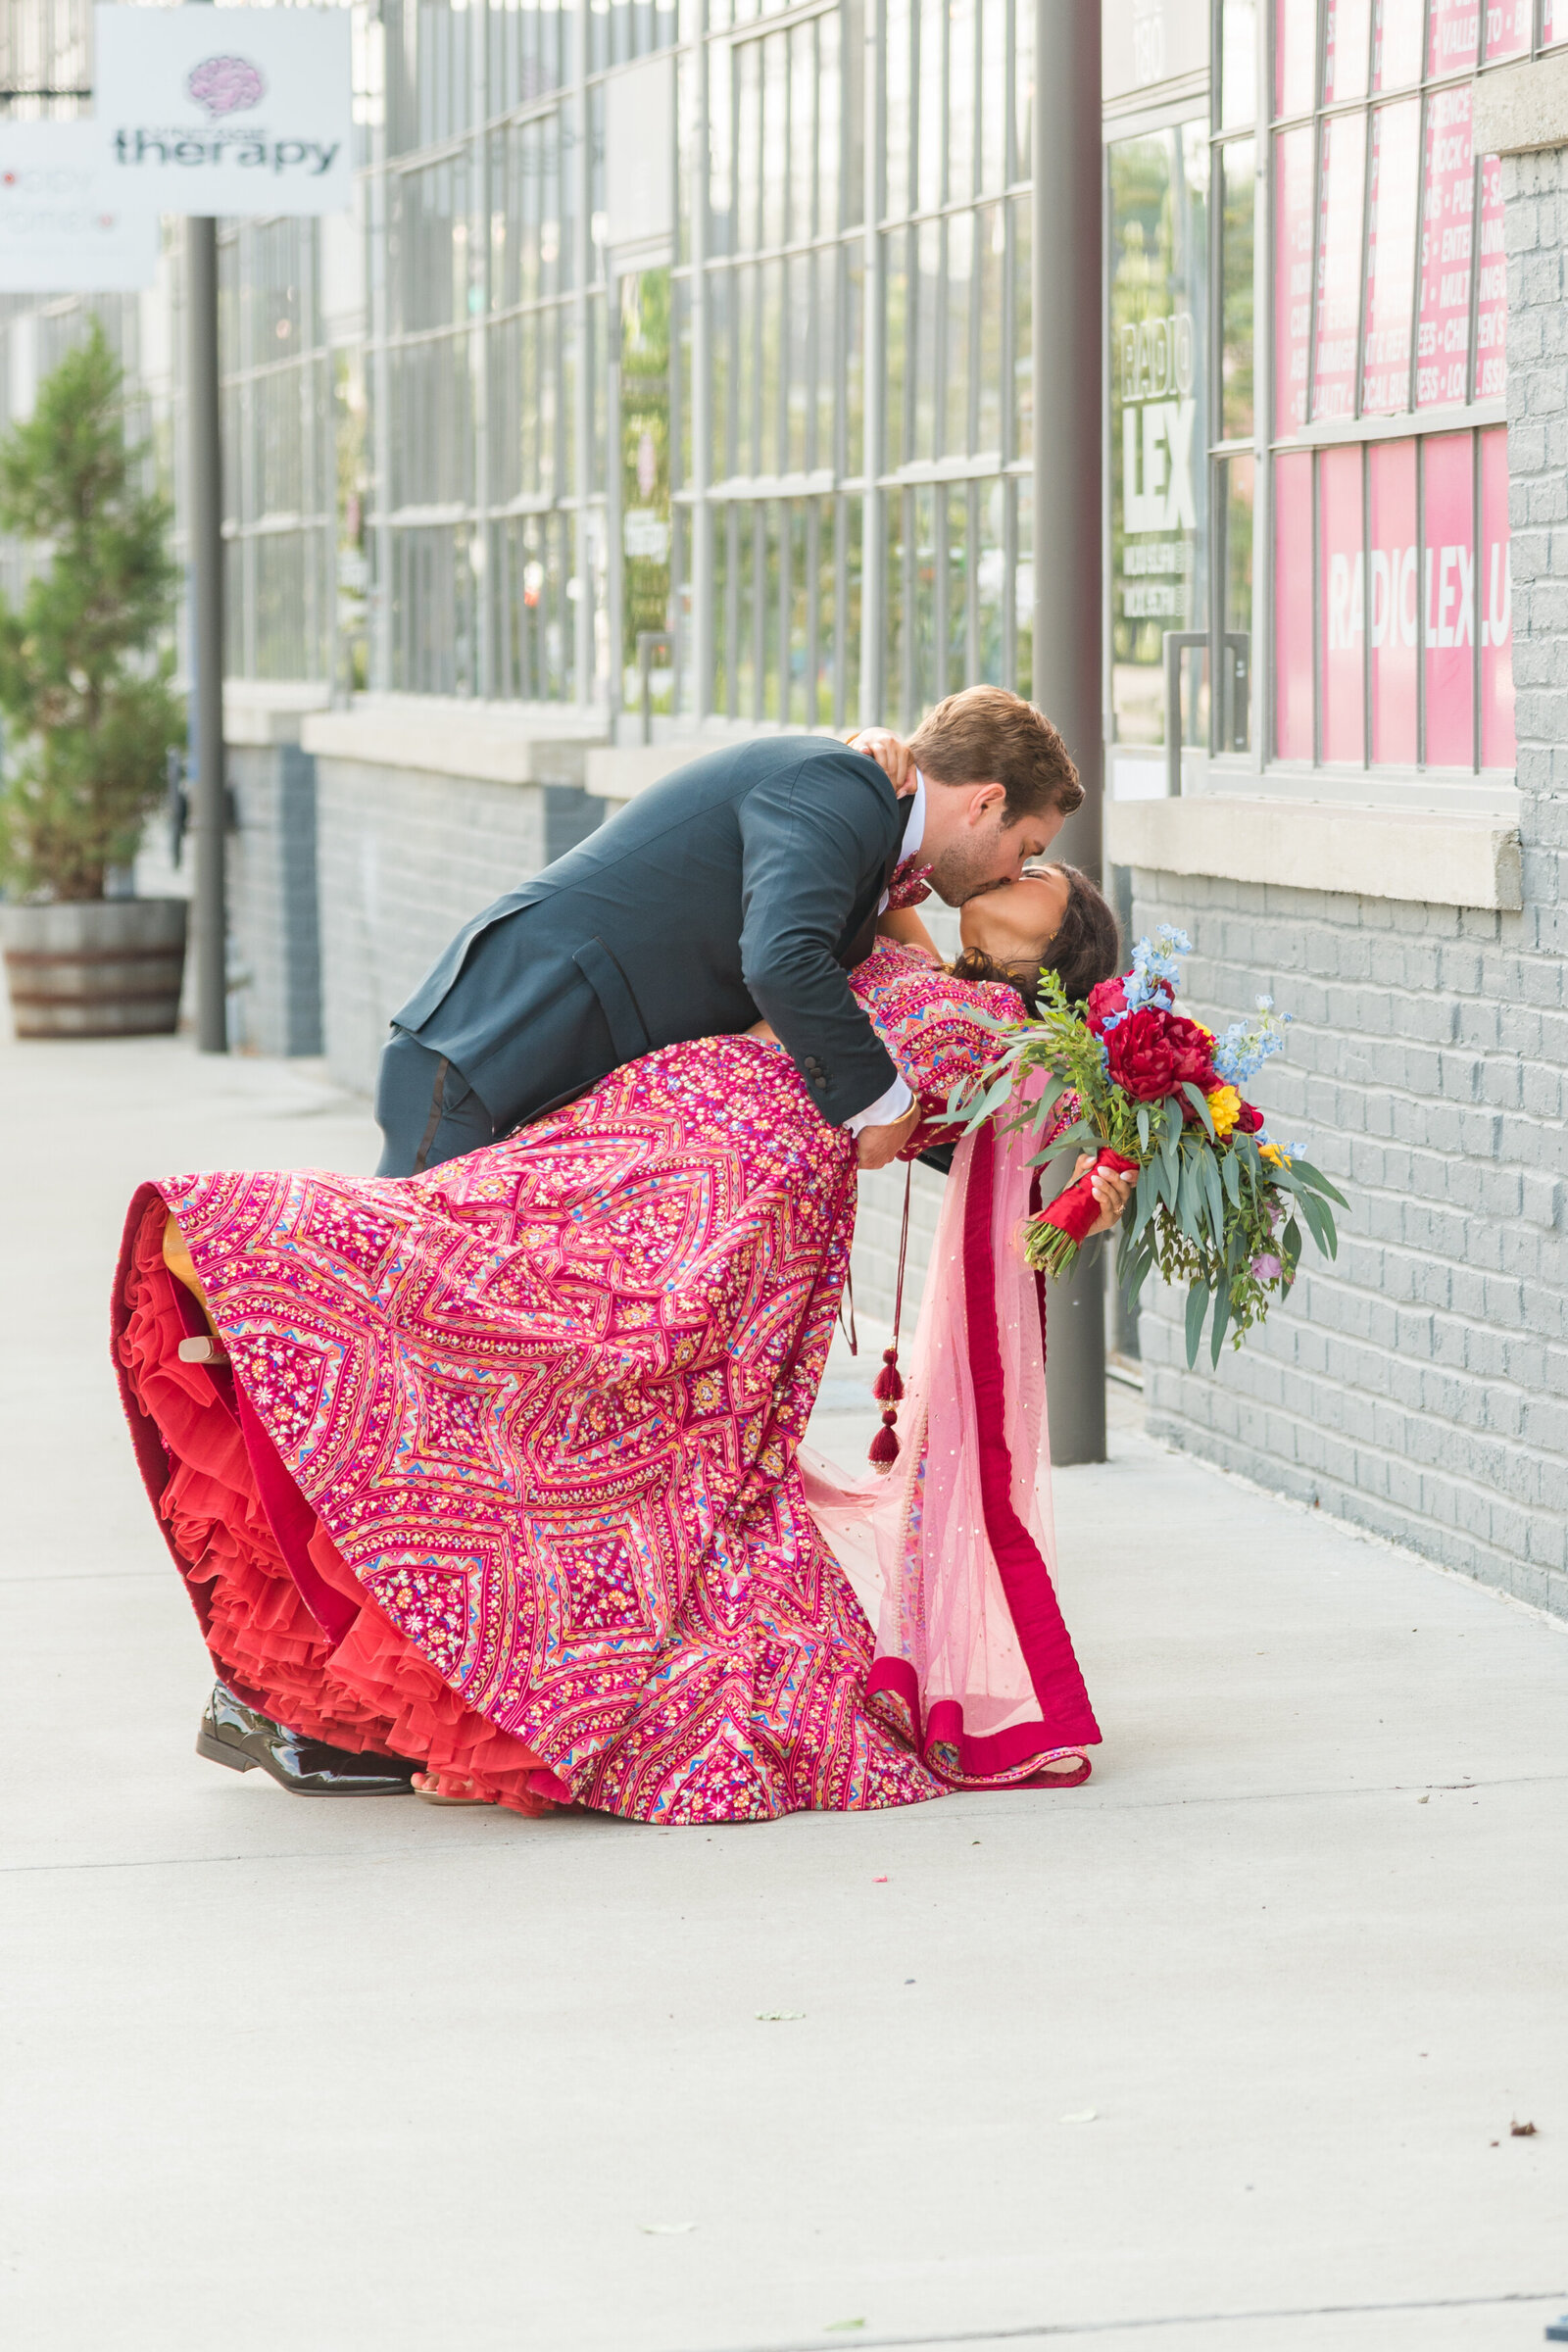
103 967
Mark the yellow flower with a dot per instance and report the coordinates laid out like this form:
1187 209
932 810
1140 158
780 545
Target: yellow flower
1272 1152
1224 1108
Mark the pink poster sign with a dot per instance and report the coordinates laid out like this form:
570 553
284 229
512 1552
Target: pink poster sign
1339 266
1492 293
1295 59
1449 598
1293 607
1397 44
1494 592
1293 274
1553 23
1347 50
1453 36
1448 208
1393 203
1507 29
1343 618
1394 601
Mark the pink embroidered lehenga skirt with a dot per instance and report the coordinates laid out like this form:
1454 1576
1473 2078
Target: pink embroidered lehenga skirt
506 1473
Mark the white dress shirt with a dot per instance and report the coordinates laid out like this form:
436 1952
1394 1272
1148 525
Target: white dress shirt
898 1099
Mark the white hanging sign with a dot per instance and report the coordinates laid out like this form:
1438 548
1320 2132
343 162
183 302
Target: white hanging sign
227 110
65 226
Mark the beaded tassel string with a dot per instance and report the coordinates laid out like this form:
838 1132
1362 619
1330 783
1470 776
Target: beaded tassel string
888 1389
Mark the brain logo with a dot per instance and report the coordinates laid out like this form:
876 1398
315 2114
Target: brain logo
225 85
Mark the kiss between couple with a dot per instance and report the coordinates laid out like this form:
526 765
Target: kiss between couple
486 1475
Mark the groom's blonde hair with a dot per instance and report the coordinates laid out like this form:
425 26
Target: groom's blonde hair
986 735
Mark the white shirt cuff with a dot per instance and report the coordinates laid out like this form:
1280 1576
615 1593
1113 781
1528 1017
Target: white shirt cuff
885 1109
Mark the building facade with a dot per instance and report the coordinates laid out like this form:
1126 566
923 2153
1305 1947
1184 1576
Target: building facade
673 379
706 324
1331 650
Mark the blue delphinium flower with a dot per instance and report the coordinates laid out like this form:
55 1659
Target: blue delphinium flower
1157 969
1240 1052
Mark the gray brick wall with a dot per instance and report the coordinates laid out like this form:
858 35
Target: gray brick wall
406 859
275 946
1419 1387
1419 1384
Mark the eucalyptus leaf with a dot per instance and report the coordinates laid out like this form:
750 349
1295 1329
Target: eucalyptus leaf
1313 1215
1200 1103
1144 1198
1222 1316
1232 1177
1142 1128
1186 1210
1196 1309
1315 1177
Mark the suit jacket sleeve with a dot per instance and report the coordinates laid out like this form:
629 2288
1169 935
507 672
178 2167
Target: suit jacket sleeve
814 846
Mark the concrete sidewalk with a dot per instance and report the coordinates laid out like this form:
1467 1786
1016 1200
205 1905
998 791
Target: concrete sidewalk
1219 2053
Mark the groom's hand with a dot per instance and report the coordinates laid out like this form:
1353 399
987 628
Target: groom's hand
878 1147
891 755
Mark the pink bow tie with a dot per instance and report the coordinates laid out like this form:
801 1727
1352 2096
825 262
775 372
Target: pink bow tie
910 884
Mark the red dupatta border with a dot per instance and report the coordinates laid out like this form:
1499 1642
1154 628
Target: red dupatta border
1036 1618
1014 1756
1011 1758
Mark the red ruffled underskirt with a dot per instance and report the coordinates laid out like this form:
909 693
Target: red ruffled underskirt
362 1687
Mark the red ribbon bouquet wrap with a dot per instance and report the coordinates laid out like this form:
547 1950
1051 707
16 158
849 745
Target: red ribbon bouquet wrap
1073 1212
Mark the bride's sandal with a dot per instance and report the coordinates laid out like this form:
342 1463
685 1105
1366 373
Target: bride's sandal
206 1348
428 1784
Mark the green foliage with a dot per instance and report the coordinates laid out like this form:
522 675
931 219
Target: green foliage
81 683
1214 1212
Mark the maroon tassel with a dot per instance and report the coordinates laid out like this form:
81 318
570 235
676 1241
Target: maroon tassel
885 1444
888 1386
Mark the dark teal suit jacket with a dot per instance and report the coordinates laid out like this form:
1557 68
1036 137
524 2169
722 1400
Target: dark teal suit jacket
743 886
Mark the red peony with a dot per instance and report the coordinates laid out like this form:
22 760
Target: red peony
1190 1058
1139 1059
1105 1001
1248 1120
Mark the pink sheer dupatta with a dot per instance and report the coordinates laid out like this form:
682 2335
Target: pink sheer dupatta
950 1553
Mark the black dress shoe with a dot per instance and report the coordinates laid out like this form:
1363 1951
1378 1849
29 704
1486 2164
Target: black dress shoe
236 1735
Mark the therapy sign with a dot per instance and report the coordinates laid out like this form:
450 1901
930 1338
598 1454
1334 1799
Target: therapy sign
227 110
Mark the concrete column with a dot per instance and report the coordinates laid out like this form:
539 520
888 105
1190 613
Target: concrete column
1068 374
210 799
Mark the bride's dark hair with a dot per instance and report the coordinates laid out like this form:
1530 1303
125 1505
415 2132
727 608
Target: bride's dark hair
1085 948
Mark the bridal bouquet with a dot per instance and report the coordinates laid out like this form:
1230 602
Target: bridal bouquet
1218 1203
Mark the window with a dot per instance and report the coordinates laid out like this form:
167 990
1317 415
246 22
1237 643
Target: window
1390 579
1158 421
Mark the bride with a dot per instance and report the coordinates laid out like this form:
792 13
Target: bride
498 1471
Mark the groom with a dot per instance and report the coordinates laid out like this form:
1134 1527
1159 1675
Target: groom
747 884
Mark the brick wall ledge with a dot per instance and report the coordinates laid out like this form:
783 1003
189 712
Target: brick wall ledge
1440 860
1523 107
266 710
619 771
488 742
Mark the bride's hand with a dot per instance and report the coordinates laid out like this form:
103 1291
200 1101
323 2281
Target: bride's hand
1110 1189
891 755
